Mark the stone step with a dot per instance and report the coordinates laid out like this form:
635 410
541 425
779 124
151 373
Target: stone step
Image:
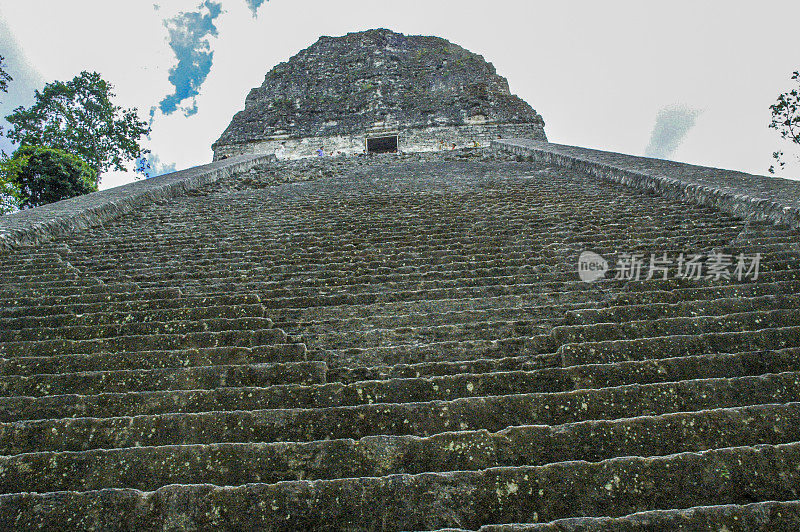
678 346
351 374
26 304
305 241
464 499
443 351
225 388
54 282
327 325
231 464
505 228
492 413
305 273
366 339
133 328
644 296
127 305
647 328
147 316
557 292
399 249
771 515
569 289
58 289
277 289
657 311
406 312
232 338
123 360
126 381
328 271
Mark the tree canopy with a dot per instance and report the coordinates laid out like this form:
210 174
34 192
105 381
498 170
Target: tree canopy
5 79
80 118
786 119
38 175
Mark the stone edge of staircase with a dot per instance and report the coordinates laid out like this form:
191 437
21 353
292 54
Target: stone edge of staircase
42 224
621 168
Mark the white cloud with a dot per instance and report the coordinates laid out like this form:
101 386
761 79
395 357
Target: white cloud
597 72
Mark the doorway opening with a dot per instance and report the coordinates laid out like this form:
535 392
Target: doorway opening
386 144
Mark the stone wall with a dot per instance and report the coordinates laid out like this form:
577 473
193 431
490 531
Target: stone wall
746 195
411 140
42 224
343 87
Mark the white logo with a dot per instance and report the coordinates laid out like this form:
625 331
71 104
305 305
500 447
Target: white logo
591 267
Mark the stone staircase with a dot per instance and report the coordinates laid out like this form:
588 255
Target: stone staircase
401 343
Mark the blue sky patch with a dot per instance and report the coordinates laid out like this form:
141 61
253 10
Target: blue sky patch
254 5
189 34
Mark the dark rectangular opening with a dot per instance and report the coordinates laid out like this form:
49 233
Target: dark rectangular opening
382 144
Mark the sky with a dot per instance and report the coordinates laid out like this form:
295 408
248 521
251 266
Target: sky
686 80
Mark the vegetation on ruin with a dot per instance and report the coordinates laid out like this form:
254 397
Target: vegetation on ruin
786 120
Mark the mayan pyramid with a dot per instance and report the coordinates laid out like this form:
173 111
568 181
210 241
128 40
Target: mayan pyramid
404 341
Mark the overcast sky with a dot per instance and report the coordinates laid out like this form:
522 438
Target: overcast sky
687 80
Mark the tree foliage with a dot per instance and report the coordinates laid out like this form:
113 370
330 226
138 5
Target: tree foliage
79 117
5 79
38 175
786 119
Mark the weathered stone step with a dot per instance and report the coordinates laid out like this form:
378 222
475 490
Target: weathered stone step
54 280
327 325
309 242
421 419
270 280
13 275
615 488
148 316
333 271
206 389
770 247
52 283
678 346
452 310
656 311
645 296
178 302
131 360
647 328
443 351
46 302
205 378
489 287
93 288
318 234
133 328
272 290
557 292
366 339
231 338
399 248
149 468
352 374
771 515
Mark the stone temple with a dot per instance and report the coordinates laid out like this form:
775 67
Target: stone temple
378 91
404 341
